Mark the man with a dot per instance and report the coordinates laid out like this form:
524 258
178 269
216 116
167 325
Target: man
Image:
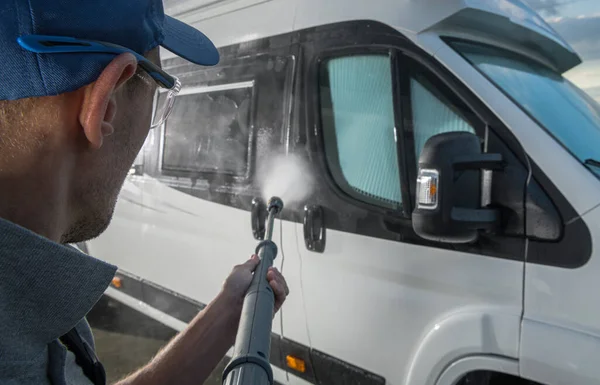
74 112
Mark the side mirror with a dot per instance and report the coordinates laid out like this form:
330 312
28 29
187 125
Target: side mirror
450 189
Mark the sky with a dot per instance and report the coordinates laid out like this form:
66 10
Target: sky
578 22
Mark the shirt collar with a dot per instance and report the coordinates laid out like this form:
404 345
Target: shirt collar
45 289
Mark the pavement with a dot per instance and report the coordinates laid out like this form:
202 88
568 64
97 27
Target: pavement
123 354
126 340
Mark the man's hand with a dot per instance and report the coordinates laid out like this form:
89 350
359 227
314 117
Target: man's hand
238 282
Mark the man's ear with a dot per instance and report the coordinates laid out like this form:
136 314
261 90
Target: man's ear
99 105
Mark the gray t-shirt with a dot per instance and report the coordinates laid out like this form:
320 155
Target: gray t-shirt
46 289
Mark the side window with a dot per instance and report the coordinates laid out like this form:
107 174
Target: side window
209 130
432 113
358 124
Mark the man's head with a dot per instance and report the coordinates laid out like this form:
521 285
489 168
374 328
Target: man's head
76 105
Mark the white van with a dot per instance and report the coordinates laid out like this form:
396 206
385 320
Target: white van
441 182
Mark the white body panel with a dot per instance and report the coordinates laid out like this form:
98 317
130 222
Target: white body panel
412 314
561 327
254 19
419 309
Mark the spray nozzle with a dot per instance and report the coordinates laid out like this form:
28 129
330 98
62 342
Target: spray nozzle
275 203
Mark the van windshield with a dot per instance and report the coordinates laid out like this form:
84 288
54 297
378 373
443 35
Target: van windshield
570 115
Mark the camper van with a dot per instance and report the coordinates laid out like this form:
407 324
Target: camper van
440 179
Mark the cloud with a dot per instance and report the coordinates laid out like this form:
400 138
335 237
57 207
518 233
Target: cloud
594 92
582 33
545 7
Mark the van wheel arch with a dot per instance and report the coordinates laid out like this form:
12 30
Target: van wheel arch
484 377
483 370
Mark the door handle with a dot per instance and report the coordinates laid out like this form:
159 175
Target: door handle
258 218
314 228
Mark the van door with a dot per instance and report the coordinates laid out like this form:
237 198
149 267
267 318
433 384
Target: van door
383 305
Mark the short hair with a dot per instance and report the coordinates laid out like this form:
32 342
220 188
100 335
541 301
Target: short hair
18 121
136 81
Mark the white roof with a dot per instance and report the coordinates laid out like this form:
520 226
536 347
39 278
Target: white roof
228 22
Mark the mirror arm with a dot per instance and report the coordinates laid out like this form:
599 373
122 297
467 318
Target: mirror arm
479 161
477 219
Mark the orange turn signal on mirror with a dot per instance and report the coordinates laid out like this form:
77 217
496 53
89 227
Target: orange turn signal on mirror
296 363
116 282
428 189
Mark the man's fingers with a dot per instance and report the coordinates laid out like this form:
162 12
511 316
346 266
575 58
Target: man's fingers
278 290
279 286
281 280
251 263
273 275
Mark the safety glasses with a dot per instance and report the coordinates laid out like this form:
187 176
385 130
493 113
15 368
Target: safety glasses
169 85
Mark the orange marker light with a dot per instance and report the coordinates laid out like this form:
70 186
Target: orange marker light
433 191
116 282
296 363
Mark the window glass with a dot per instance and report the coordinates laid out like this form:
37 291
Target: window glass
358 123
208 131
432 115
568 114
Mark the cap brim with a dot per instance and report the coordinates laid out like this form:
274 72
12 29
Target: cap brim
189 43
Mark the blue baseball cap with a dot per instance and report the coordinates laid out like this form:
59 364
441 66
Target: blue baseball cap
54 46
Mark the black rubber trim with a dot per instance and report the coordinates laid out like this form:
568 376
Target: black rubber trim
330 370
320 368
574 248
163 299
282 347
406 138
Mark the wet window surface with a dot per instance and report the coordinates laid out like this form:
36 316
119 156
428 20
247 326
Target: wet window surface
209 132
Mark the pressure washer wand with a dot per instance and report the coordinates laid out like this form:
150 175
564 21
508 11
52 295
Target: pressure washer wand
250 362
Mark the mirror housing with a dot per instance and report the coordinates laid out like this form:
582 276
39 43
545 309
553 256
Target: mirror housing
450 189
